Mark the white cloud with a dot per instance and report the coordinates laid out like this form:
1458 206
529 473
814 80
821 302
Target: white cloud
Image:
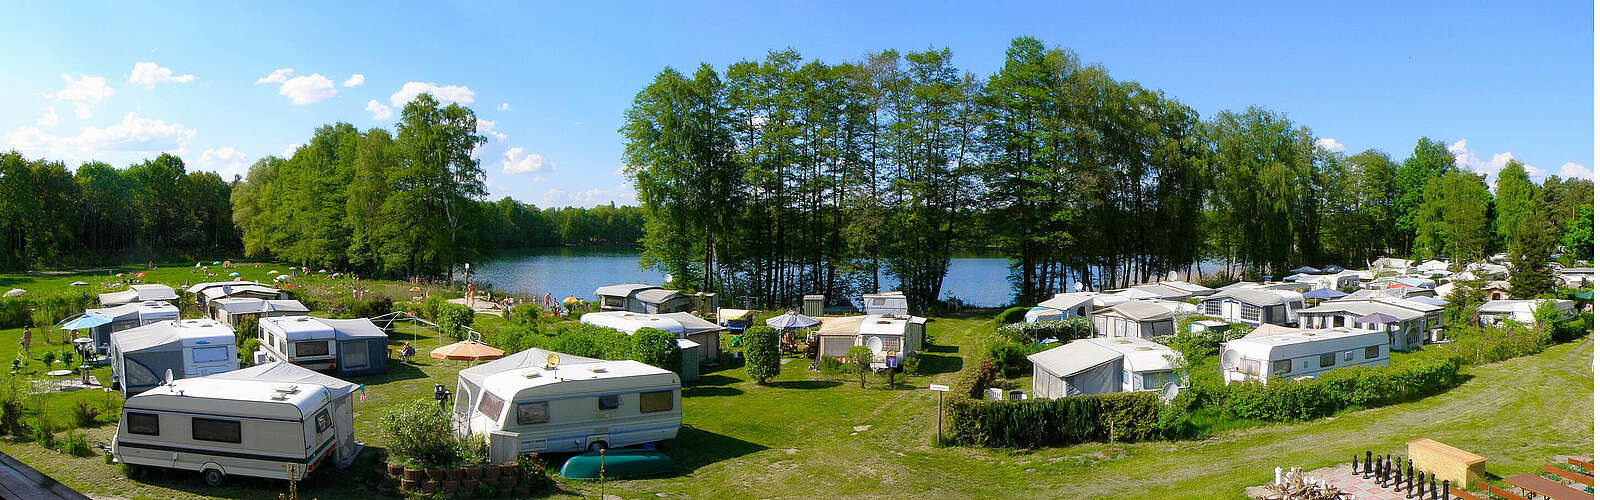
504 106
307 89
1468 159
1570 169
486 127
1330 145
355 80
133 134
289 150
49 119
458 94
277 76
517 162
378 110
149 74
587 198
84 93
226 161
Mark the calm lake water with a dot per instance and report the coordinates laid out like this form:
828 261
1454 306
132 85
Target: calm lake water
578 271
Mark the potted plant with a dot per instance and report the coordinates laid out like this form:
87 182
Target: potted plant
419 437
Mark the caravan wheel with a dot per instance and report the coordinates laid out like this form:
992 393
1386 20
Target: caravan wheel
597 446
213 477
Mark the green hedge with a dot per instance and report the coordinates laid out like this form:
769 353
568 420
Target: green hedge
1011 315
1065 330
43 310
1033 423
974 378
1350 387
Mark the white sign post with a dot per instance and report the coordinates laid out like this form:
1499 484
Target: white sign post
941 389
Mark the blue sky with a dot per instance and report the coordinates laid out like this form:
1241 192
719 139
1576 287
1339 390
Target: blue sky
1494 81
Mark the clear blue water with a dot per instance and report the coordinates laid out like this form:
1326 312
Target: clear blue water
578 271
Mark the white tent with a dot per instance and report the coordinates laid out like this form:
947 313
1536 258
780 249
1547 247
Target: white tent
339 392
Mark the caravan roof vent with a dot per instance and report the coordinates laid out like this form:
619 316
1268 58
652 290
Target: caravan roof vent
1310 334
1124 341
598 369
303 318
286 389
1143 348
280 397
883 322
531 374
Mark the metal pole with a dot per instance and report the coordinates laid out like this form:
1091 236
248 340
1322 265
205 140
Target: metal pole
941 418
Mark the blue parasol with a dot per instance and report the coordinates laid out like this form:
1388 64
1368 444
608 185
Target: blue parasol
85 322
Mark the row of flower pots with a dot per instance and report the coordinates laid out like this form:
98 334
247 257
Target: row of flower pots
503 478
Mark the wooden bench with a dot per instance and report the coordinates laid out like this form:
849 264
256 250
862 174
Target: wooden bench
1582 464
1445 461
1570 476
1463 495
1500 492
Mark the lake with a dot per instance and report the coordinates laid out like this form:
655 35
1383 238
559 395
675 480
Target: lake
577 271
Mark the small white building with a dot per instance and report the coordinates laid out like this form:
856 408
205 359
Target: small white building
1136 318
886 303
154 292
1105 365
235 310
687 326
1433 267
641 298
1301 353
1253 305
1498 312
881 334
1065 305
1392 264
128 316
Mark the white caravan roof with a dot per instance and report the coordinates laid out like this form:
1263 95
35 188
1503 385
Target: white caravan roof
1137 355
1069 301
305 397
295 328
679 323
172 335
1305 342
510 382
143 311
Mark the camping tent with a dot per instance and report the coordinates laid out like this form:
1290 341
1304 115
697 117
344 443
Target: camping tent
339 392
363 347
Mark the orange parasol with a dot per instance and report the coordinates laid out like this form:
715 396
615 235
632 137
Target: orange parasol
416 289
468 350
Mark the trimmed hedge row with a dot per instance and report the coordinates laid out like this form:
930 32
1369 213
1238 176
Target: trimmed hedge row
1065 330
1032 423
1350 387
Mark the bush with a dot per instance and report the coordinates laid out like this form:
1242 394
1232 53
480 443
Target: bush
1350 387
1055 422
48 357
52 308
42 431
1065 330
247 352
1011 315
66 356
84 414
76 444
975 377
658 348
1474 345
912 363
859 359
1011 357
761 353
454 319
13 408
350 307
524 314
418 434
14 312
830 365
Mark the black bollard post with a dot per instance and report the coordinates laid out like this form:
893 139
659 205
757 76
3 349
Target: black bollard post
1399 473
1411 478
1433 488
1366 470
1378 476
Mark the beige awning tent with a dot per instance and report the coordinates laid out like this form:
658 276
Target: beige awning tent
846 325
725 315
468 350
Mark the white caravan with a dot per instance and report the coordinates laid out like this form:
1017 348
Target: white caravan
1301 353
277 421
539 401
299 340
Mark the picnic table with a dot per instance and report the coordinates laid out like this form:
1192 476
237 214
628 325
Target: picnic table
1532 483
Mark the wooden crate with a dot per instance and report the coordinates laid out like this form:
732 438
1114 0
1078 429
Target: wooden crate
1445 461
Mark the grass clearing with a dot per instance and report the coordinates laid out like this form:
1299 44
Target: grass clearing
804 434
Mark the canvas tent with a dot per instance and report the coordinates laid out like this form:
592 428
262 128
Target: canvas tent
235 310
1133 319
1103 365
140 293
363 347
128 316
339 392
140 357
642 298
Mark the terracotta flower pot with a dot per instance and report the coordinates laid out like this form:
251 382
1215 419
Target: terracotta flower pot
414 474
491 471
395 469
410 484
449 485
491 481
473 471
430 486
452 474
435 474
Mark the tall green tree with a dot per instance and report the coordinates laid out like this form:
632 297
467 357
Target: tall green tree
1429 160
1515 200
434 146
1453 220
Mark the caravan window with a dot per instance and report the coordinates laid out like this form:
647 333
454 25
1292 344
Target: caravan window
317 348
1214 308
533 413
1372 352
655 401
1326 361
610 402
491 405
210 429
210 354
1250 313
1282 366
354 354
144 423
323 421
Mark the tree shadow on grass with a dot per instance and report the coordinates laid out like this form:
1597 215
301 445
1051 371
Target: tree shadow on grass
939 348
935 364
695 448
394 371
805 384
704 391
715 380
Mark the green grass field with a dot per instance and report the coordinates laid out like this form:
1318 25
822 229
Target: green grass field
804 434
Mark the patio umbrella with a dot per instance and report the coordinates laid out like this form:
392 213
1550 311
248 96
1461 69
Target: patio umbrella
1377 318
233 273
792 321
140 275
85 322
416 289
281 277
1306 270
468 350
77 283
15 292
216 263
274 271
1325 293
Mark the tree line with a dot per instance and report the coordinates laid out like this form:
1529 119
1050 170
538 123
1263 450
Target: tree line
781 177
399 204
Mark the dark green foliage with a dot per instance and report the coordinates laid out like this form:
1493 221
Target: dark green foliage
350 307
84 413
658 348
524 314
454 319
1358 387
1011 315
13 409
14 312
247 350
418 435
1064 330
761 353
974 378
76 444
859 360
1036 423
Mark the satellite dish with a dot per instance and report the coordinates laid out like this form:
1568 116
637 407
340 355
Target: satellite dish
875 344
552 360
1172 276
668 278
168 378
1077 287
1168 392
1230 359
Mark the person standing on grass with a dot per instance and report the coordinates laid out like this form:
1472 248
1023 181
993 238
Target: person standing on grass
27 341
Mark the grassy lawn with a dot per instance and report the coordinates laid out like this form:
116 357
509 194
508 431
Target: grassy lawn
804 434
